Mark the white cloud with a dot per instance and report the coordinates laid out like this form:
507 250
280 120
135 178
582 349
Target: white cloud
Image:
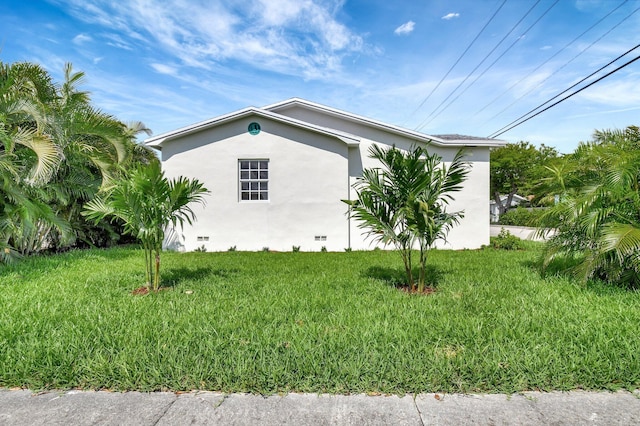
405 28
164 69
546 47
116 41
450 16
295 37
624 92
81 39
602 112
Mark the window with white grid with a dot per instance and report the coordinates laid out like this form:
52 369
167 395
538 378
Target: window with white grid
254 180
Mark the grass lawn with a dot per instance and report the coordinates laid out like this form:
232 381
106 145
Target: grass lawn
312 322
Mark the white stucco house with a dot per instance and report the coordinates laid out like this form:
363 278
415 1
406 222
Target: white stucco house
277 175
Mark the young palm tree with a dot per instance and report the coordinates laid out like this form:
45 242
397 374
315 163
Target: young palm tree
427 218
147 202
403 203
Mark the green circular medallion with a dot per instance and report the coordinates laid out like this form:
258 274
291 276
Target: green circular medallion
254 128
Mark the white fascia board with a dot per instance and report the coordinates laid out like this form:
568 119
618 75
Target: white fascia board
157 141
421 137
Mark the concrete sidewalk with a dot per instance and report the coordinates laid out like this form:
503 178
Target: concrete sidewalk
22 407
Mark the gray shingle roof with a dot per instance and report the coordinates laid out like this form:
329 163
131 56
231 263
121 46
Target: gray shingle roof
456 137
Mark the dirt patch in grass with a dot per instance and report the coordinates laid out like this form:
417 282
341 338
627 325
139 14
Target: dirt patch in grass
144 290
410 290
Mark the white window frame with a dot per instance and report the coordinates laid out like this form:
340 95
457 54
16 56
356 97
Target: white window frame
253 180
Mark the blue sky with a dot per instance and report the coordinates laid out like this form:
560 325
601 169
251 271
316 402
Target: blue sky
170 63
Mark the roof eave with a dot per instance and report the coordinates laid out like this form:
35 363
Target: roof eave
420 137
158 141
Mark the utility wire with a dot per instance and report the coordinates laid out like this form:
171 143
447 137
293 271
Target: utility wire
569 88
566 97
424 123
550 58
567 63
458 60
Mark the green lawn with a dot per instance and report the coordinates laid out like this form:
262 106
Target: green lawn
312 322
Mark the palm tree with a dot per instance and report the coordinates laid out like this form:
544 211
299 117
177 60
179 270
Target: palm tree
97 148
56 152
598 221
404 202
147 202
28 156
427 217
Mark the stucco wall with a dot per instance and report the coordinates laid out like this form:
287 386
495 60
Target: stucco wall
308 176
473 230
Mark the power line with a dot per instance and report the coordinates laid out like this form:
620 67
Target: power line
569 88
565 98
565 64
550 58
425 122
458 60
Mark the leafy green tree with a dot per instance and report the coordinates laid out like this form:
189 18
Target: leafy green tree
147 202
517 168
403 203
597 220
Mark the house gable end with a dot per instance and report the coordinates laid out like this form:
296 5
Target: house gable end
161 140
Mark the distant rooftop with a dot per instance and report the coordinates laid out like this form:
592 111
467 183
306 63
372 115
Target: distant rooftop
456 137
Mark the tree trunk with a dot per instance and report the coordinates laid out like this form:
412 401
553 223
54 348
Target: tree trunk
502 208
156 278
423 262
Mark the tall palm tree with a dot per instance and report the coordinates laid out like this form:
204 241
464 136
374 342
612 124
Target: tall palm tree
96 147
147 202
28 155
56 152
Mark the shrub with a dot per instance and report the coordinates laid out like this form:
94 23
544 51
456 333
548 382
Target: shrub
295 249
506 241
521 216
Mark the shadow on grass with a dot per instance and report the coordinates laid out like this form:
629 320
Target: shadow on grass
396 277
44 262
560 267
565 267
174 276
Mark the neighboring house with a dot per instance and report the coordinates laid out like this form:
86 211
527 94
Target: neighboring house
494 209
277 176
